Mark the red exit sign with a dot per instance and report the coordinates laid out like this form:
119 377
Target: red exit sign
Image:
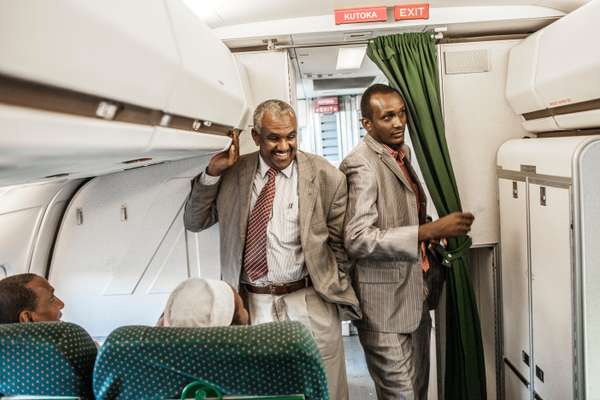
411 11
327 101
327 109
356 15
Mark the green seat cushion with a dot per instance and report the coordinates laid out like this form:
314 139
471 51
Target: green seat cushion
156 363
46 358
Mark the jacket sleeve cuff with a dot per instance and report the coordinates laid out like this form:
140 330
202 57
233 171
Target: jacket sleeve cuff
207 180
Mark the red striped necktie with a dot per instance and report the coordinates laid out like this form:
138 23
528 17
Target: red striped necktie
255 249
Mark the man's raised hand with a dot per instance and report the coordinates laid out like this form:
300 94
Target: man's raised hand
224 160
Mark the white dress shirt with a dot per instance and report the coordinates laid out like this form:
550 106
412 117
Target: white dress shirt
285 258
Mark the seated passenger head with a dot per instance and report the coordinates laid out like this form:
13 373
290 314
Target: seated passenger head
200 302
28 298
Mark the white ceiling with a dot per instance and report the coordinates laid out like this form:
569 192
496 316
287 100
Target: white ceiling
242 23
320 63
233 12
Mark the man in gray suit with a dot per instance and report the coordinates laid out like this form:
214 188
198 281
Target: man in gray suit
281 215
386 232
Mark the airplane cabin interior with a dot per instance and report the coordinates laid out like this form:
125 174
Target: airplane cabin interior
109 109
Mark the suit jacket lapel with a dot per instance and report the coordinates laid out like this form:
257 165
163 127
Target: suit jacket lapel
306 193
246 173
387 159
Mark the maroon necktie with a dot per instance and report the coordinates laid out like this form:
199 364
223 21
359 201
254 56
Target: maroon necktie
255 249
399 156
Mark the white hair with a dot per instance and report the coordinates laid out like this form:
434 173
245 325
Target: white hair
271 106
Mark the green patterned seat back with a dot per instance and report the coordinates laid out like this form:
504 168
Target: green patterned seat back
278 358
46 358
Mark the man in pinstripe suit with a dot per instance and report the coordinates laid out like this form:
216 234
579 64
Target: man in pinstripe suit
281 215
386 233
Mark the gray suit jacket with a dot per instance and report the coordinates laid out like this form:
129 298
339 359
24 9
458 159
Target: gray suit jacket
322 196
381 234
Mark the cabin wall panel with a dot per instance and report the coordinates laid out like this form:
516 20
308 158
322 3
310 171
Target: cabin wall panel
552 291
478 120
44 242
28 220
122 246
588 175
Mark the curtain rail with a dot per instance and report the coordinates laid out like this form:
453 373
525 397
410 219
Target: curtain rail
446 40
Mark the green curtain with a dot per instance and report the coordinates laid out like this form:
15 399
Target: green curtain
409 61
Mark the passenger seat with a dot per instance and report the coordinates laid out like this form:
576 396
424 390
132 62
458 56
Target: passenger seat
46 359
279 358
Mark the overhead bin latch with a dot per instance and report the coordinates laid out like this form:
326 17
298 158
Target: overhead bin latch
107 110
270 44
438 32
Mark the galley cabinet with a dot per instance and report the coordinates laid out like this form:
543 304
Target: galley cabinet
549 195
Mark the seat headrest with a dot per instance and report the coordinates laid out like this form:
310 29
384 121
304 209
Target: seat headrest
278 358
46 358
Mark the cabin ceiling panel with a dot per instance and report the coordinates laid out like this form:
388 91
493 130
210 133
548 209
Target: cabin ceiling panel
304 30
235 12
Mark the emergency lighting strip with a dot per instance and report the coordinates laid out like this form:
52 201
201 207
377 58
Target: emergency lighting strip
22 93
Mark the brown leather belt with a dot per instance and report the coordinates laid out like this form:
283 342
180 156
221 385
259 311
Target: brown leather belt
279 289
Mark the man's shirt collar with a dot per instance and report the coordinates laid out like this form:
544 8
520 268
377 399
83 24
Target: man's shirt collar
263 168
397 154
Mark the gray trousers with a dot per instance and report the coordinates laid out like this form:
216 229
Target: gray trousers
399 363
421 342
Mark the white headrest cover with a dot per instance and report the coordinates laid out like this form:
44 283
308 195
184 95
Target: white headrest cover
200 302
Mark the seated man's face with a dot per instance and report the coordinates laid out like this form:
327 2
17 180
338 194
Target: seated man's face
240 315
48 305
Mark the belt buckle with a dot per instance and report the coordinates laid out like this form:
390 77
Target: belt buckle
273 288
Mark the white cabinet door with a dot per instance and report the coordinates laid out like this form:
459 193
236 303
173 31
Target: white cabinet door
514 388
515 287
551 288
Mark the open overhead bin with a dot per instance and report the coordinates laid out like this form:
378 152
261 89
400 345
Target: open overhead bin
88 88
554 75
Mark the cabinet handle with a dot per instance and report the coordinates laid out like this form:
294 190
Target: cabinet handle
539 373
515 190
525 357
542 195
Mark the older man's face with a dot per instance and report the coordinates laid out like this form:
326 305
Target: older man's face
277 139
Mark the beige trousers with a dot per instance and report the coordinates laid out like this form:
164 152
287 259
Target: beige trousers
320 317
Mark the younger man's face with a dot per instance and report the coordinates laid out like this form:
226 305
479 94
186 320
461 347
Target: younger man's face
388 121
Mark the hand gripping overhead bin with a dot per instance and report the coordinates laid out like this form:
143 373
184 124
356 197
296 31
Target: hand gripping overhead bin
549 193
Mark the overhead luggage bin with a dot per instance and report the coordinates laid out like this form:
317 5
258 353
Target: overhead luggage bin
92 88
208 77
554 75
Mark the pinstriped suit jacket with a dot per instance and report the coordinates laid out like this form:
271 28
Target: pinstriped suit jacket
322 197
381 232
